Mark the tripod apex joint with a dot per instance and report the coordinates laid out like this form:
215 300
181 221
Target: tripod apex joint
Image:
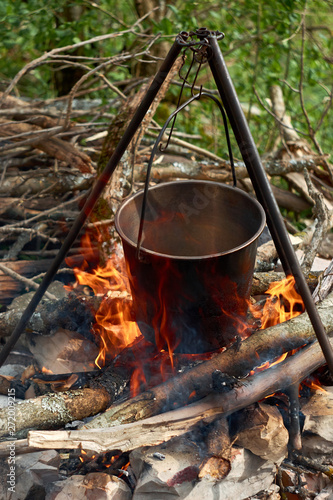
188 38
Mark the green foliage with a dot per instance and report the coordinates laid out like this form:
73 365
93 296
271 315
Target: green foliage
29 29
262 47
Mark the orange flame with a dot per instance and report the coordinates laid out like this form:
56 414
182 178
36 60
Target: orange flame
46 371
115 328
284 303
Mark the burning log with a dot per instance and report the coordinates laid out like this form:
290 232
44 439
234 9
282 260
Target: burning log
160 428
196 383
53 314
69 312
262 280
238 361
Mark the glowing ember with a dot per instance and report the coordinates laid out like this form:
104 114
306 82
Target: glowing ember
47 371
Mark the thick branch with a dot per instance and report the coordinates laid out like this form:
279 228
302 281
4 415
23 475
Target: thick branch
52 410
52 146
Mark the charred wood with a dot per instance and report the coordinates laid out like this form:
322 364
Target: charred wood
69 312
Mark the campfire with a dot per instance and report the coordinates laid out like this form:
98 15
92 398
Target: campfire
182 423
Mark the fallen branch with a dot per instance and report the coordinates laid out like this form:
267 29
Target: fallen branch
60 182
10 287
273 167
160 428
52 146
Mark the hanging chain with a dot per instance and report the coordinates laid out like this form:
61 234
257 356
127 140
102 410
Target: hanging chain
198 42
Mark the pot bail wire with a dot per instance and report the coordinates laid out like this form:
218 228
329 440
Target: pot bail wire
173 115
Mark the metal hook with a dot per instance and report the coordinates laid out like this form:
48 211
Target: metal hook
202 50
185 80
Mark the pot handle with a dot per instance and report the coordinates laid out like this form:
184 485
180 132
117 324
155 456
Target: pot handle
153 153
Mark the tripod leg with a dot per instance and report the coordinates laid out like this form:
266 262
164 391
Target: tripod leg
94 195
264 192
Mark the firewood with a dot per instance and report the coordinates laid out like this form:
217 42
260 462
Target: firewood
261 281
26 281
160 428
217 463
18 109
54 410
10 287
52 146
266 253
35 182
21 447
72 313
263 345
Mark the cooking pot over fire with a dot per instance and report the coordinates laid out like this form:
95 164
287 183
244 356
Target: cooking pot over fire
190 249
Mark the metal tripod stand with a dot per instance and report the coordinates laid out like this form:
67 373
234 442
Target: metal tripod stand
208 40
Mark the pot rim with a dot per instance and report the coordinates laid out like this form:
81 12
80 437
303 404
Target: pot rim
144 250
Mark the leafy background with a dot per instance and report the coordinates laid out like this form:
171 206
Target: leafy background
262 46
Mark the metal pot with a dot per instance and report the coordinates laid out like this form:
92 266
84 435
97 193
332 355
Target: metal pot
191 281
